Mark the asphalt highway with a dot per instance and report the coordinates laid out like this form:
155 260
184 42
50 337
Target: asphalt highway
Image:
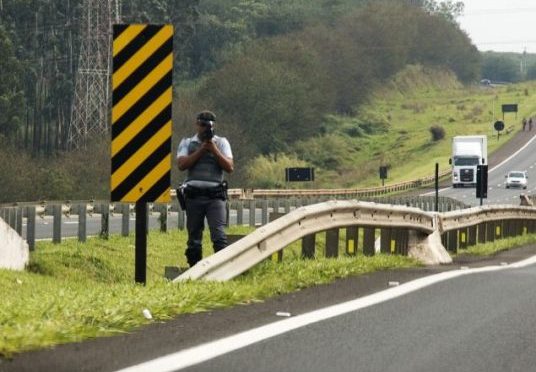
472 321
524 160
476 322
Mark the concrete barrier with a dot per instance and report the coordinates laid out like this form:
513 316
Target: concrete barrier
14 251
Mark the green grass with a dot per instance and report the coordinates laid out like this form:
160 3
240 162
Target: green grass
497 246
415 100
75 291
408 147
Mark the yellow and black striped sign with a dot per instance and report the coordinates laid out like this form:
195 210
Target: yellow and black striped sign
141 113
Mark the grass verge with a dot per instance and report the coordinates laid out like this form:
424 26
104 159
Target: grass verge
497 246
75 291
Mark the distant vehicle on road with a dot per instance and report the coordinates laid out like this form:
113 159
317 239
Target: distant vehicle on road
467 153
516 179
485 82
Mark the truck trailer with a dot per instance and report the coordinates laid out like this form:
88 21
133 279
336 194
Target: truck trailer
467 153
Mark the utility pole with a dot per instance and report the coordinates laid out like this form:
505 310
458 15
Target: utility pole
90 114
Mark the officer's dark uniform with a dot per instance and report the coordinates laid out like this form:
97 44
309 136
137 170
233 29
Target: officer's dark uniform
205 195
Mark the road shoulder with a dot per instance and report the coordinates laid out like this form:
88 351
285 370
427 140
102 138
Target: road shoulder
111 353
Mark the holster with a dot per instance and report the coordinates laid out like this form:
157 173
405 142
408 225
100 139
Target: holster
181 197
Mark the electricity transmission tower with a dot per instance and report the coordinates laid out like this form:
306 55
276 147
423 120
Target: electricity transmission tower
90 108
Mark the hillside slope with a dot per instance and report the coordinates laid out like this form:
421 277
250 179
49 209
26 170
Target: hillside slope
393 129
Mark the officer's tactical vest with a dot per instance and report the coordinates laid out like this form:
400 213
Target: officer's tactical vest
206 168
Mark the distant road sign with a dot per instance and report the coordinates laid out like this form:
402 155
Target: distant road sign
383 172
499 125
509 108
141 113
299 174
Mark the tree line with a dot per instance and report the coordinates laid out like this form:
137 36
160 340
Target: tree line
274 71
277 92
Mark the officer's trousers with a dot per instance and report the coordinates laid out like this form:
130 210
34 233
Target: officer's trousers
215 212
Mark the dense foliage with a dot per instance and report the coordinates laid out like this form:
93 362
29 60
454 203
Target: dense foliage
274 71
279 91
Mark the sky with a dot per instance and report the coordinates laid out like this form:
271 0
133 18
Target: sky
501 25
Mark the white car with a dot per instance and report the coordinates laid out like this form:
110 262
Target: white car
516 179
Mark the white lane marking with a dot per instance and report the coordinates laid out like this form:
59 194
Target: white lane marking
71 222
211 350
513 155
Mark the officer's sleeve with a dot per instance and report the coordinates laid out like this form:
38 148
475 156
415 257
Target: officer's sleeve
225 147
183 147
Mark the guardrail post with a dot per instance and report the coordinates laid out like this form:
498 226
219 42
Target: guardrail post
481 227
531 226
240 213
385 240
520 227
287 206
403 248
352 238
264 216
12 220
82 219
252 212
30 227
181 219
471 235
444 239
368 241
275 205
163 218
462 238
499 230
308 246
19 220
332 243
507 228
56 229
125 219
278 256
490 231
105 221
514 226
452 244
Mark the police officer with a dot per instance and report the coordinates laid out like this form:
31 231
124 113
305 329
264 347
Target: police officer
205 156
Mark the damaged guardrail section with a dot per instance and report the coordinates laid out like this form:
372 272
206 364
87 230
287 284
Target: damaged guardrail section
397 229
304 222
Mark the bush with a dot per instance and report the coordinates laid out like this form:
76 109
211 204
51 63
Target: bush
438 133
269 171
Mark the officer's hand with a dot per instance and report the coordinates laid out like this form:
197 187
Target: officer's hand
210 147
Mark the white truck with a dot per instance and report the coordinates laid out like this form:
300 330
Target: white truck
467 153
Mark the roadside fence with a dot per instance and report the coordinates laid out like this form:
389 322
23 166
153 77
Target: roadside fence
252 212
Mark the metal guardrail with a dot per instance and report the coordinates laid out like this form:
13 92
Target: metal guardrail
265 241
253 212
457 229
361 192
397 229
370 191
